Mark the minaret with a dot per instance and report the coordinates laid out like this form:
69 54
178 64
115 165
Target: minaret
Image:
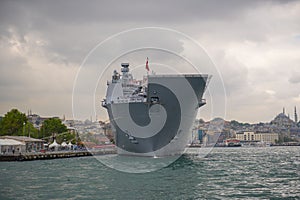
296 116
283 111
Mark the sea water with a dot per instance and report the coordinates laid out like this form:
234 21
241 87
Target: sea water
225 173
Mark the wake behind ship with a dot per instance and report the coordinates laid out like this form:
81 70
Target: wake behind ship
153 116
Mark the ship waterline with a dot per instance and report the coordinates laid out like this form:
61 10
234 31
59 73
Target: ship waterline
154 116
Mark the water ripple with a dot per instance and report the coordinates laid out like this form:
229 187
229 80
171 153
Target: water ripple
226 173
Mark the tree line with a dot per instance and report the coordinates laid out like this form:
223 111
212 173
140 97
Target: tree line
15 123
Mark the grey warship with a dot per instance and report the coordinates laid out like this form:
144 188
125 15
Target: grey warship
153 116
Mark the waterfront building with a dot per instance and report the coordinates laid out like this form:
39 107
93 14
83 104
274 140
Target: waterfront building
10 146
295 133
200 135
257 137
31 144
108 130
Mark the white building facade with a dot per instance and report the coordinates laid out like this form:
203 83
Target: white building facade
262 137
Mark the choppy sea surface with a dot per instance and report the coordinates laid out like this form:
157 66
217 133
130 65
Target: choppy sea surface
225 173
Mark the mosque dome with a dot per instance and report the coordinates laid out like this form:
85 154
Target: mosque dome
282 120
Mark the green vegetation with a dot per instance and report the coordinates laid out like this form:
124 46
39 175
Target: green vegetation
29 130
284 138
67 137
51 126
15 123
54 127
235 125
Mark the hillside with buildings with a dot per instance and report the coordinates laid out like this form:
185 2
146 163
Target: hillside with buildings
280 130
33 131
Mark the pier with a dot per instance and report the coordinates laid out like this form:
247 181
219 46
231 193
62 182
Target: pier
54 155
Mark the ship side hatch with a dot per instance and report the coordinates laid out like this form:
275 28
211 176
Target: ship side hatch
154 100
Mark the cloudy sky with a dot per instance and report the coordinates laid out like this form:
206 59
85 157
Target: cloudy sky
254 44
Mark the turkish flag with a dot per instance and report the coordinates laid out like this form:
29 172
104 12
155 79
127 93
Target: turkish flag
147 67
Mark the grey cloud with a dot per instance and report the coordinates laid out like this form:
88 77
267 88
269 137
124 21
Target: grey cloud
71 29
74 27
95 11
295 79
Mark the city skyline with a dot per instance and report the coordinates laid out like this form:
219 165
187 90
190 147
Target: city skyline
254 45
293 117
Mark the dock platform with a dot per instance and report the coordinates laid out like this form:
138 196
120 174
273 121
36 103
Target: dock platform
54 155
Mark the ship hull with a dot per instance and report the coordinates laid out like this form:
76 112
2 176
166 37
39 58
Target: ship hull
161 126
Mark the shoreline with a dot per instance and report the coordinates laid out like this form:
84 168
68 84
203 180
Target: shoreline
73 154
53 155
